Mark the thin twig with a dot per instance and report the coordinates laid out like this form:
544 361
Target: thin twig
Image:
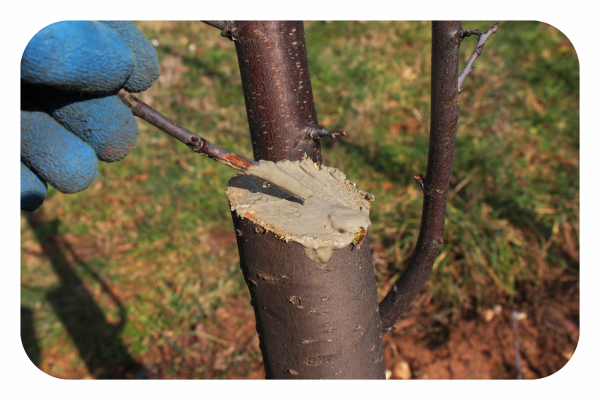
318 133
476 53
472 32
193 141
513 317
227 30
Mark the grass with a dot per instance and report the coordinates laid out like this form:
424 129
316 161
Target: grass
145 260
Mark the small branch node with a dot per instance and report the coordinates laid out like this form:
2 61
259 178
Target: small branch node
227 30
195 143
475 31
419 179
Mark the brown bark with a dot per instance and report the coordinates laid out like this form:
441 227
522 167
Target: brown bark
193 141
314 321
277 89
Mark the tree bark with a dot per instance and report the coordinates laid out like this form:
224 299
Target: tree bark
314 321
277 89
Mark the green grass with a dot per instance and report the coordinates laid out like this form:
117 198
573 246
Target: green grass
157 229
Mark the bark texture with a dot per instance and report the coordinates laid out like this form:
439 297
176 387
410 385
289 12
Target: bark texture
314 321
277 89
446 39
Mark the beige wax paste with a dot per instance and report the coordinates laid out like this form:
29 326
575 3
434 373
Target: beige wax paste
326 212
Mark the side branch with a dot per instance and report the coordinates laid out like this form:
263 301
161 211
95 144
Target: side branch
446 38
318 133
193 141
227 29
476 53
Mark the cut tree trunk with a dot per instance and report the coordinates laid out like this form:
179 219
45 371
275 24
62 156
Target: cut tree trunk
314 321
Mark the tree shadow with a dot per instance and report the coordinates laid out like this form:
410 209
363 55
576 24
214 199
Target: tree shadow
389 161
508 208
98 342
28 338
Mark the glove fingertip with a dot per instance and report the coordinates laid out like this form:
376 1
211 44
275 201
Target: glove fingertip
33 190
57 156
82 56
103 122
146 68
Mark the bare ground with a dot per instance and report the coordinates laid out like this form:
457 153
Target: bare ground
424 344
421 347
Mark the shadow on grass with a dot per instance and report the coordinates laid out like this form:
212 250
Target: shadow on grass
30 343
522 218
98 342
397 164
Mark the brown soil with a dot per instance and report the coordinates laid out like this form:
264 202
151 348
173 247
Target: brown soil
421 347
480 349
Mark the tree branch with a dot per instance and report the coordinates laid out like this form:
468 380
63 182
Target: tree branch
318 133
446 38
476 53
445 83
193 141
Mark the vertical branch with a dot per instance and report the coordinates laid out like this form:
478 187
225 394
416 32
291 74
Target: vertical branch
277 88
446 39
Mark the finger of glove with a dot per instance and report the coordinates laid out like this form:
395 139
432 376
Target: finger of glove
83 56
33 190
103 122
53 153
146 68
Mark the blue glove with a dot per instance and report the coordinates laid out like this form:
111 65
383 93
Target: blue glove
70 117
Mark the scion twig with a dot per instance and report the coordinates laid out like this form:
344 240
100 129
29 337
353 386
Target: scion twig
476 53
193 141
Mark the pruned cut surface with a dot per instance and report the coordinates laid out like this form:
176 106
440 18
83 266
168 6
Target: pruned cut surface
335 216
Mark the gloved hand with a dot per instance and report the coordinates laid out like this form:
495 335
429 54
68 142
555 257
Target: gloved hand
70 117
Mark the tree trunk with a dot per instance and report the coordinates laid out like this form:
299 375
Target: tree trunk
314 321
